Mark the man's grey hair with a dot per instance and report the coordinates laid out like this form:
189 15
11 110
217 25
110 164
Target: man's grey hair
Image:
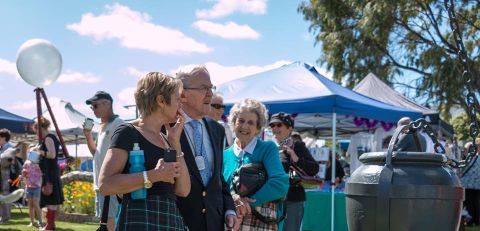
196 72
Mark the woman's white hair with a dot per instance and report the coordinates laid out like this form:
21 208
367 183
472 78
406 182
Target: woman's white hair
250 105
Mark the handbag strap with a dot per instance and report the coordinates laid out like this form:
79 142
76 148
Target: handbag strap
106 206
271 220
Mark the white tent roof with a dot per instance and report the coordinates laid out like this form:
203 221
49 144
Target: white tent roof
373 87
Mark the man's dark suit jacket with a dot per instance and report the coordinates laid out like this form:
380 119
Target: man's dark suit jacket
204 208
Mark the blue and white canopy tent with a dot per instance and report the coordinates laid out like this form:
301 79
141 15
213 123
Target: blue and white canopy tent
298 88
15 123
320 103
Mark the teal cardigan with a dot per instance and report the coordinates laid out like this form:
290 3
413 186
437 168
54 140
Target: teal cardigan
265 152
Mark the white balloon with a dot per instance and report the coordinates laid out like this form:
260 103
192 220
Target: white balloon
38 62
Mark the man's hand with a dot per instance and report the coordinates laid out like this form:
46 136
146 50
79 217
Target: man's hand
230 221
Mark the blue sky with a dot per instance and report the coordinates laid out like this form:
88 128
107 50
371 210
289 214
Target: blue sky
109 45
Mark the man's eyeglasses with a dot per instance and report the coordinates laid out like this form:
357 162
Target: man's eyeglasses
202 88
276 125
217 106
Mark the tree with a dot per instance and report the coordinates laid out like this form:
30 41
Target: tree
461 125
395 37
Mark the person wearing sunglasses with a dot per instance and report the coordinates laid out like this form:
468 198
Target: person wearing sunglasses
102 106
216 111
292 152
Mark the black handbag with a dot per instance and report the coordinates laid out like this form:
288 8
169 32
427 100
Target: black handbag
104 218
249 178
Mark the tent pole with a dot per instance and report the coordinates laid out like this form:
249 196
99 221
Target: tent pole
334 150
39 113
76 150
52 116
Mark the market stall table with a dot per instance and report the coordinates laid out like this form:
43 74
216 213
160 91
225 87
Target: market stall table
317 211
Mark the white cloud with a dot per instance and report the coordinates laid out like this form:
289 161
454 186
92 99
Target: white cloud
226 7
9 68
135 30
24 105
126 96
77 77
229 30
221 74
132 71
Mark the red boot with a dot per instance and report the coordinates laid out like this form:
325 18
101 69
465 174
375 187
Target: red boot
50 220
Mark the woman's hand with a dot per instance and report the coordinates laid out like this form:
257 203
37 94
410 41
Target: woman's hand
291 153
174 132
165 171
242 205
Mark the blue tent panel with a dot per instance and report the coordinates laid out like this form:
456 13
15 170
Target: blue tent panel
14 123
299 88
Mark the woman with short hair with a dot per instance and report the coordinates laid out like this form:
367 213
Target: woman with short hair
247 118
157 97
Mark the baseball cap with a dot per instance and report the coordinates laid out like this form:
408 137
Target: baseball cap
282 117
98 96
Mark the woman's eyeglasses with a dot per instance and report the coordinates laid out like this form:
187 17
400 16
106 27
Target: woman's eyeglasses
217 106
276 125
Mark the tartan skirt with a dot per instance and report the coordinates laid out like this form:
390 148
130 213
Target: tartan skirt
157 212
252 223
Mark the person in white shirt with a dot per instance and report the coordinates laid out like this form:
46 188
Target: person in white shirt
102 105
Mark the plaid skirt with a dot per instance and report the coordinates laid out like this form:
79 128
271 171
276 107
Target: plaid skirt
252 223
157 212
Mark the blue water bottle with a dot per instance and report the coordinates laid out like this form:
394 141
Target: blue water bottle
136 160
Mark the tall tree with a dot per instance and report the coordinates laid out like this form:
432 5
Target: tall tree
395 37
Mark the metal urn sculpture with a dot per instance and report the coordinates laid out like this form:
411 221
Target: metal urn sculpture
404 191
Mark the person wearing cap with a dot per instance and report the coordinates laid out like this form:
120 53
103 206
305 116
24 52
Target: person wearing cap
102 105
216 111
292 152
247 118
209 206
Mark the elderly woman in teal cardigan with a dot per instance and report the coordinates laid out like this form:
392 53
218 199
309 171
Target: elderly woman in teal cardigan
247 118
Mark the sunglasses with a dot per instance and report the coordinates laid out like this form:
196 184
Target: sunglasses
217 106
94 106
276 125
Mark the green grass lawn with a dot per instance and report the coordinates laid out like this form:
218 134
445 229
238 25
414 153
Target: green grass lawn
472 229
19 221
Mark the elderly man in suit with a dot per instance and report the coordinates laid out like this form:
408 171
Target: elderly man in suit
209 206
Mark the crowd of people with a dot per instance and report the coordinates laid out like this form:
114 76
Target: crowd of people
191 155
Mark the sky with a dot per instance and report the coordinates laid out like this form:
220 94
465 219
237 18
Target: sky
107 45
